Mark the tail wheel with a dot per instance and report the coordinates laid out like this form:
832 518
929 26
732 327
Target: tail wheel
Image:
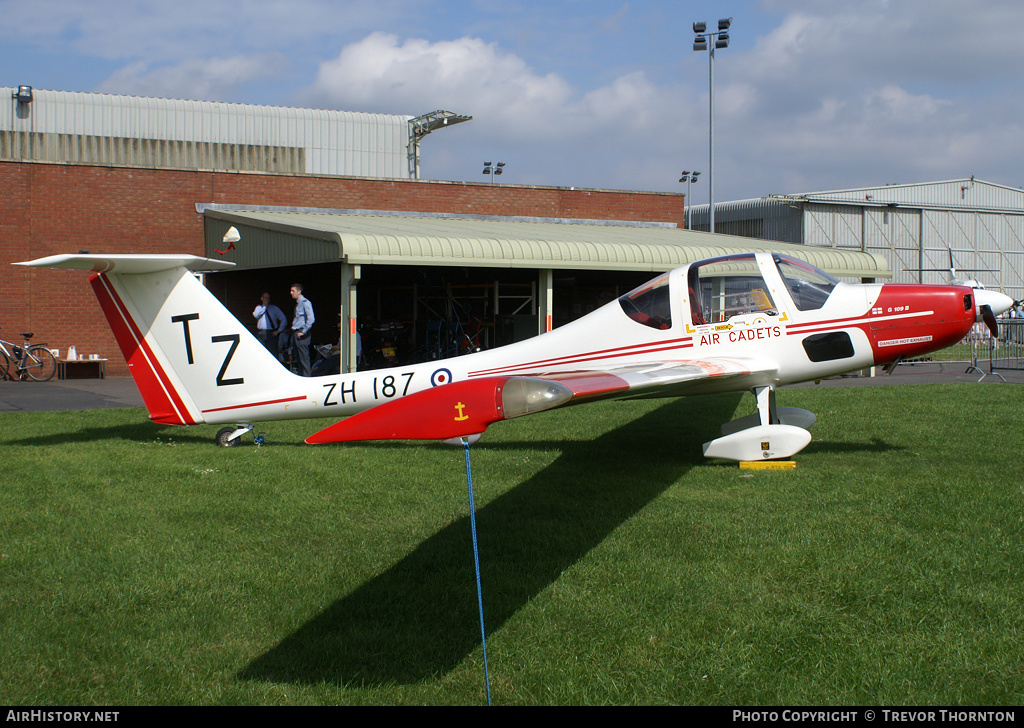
224 435
40 364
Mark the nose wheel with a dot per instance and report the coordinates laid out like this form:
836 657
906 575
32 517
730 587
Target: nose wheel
232 436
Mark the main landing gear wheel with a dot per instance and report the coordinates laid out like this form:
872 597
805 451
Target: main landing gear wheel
232 436
224 437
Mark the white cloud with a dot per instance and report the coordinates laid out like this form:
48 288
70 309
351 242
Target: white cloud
896 105
206 79
379 74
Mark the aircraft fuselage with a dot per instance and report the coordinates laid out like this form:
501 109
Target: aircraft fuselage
749 313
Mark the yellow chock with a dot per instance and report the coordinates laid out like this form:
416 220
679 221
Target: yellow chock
768 465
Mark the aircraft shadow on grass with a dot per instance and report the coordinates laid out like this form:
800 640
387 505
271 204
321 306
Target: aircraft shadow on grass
420 617
877 445
143 431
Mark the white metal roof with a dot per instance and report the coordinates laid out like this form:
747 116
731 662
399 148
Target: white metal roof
334 142
968 193
402 239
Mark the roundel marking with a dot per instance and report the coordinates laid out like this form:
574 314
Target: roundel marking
441 376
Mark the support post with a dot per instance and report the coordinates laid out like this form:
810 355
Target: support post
546 309
350 275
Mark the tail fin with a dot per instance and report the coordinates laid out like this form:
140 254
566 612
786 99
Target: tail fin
191 359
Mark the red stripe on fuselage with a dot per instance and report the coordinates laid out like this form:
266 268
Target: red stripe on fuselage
162 400
854 322
632 350
256 404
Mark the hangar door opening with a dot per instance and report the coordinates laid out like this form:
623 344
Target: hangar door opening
409 314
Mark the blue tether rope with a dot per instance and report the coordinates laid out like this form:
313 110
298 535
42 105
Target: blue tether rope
476 562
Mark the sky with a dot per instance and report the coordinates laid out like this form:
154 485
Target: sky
809 96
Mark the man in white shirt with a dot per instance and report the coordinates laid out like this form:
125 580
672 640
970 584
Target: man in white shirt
270 322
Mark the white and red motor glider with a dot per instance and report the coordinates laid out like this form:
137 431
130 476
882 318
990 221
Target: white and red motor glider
753 322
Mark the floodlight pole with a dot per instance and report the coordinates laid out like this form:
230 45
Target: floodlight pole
711 138
709 42
688 177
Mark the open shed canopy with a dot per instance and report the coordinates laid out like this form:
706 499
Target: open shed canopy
276 237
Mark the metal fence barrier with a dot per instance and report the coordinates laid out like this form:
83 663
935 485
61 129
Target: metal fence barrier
1008 350
980 347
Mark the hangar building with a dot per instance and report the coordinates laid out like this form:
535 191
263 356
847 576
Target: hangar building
914 227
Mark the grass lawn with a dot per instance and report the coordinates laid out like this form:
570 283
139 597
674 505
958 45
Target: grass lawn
143 565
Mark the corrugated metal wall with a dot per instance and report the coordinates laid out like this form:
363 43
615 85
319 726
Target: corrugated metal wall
763 219
150 153
834 226
59 126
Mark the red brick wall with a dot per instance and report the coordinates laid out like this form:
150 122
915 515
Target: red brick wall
46 209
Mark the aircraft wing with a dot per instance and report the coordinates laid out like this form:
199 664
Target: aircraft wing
465 408
128 263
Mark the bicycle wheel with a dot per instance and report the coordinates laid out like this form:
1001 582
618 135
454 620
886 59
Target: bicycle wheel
40 363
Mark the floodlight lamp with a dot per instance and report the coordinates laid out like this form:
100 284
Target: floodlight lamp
724 23
423 125
700 27
722 41
700 43
23 94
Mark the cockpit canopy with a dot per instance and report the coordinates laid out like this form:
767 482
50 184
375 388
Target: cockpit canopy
809 287
650 304
720 288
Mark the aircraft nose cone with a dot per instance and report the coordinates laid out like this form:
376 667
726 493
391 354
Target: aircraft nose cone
1000 303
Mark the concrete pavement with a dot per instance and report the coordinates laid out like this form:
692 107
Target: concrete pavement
71 394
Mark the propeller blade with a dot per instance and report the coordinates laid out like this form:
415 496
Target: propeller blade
990 320
990 304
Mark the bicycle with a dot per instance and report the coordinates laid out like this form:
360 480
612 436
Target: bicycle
34 360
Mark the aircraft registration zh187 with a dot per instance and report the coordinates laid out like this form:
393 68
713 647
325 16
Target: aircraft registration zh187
753 322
